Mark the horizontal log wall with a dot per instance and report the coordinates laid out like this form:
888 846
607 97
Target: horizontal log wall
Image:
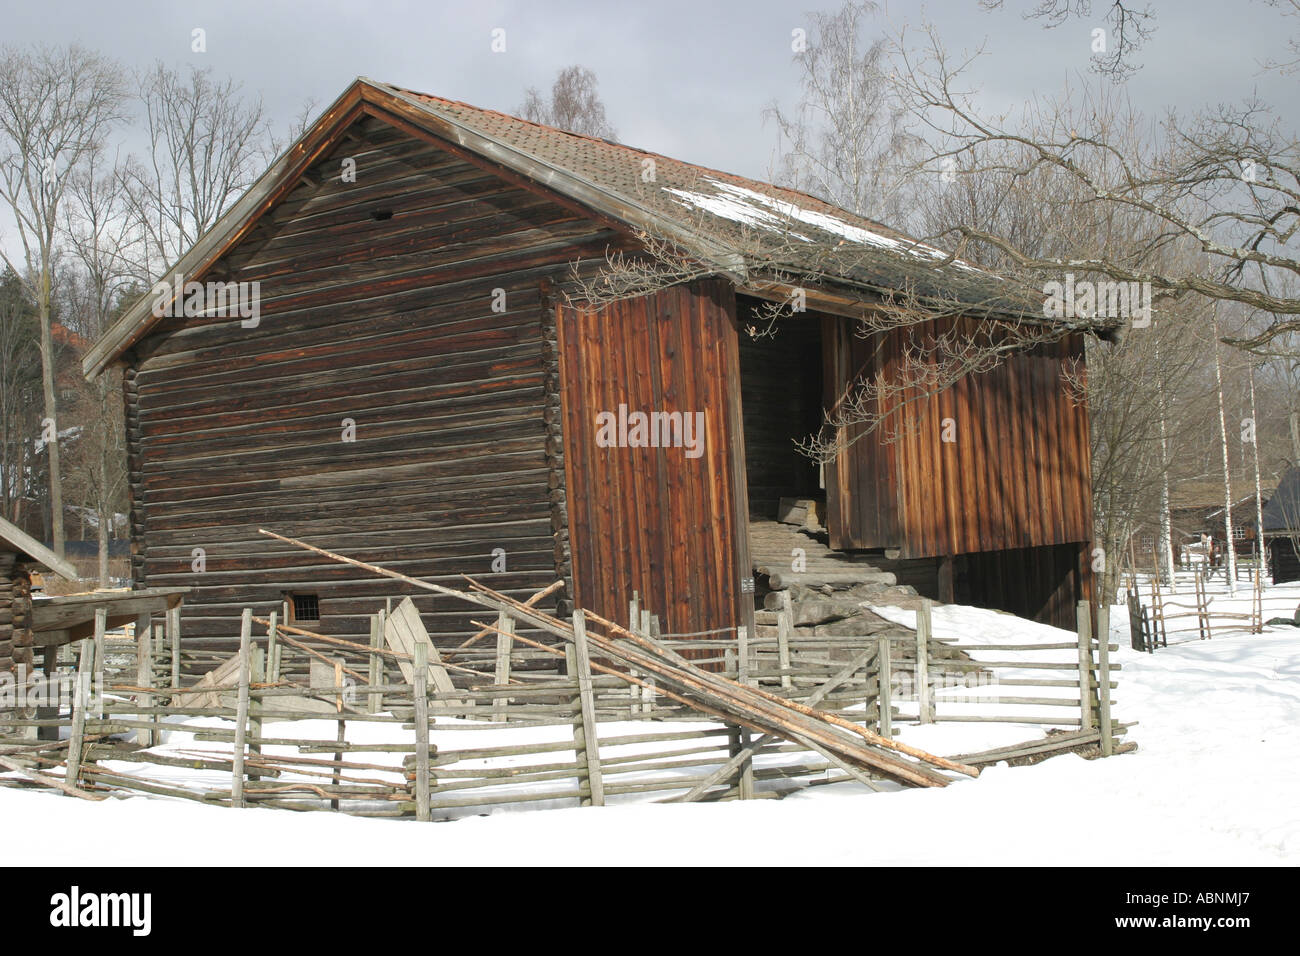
406 302
15 613
651 519
1017 474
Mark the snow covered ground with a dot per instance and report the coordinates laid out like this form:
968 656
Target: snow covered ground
1215 781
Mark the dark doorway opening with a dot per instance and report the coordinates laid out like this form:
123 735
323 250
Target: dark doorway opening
781 400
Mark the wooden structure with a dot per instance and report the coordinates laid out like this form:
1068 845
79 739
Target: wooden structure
20 554
1282 528
806 715
416 389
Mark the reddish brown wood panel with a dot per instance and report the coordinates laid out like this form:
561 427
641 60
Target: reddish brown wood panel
1016 473
646 519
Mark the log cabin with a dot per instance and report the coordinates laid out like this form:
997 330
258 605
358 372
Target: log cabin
414 385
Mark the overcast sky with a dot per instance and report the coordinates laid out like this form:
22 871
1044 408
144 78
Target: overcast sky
682 77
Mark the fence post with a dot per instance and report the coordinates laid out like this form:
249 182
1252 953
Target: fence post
80 703
144 674
174 640
505 645
740 735
784 628
257 675
272 645
101 625
1083 617
375 675
883 702
1103 679
924 699
241 710
421 693
585 739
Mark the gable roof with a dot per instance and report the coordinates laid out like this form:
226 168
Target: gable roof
1282 513
756 234
13 538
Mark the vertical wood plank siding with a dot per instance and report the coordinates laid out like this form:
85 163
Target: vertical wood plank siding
377 305
651 519
1018 474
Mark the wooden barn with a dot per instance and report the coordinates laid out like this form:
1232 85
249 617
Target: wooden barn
414 389
20 555
1282 528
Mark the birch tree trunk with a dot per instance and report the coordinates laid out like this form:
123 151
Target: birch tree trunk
1166 558
1230 551
1259 491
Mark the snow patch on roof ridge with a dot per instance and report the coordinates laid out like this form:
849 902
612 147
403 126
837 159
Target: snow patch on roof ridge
751 207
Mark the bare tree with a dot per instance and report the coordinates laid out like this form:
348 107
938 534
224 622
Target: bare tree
1222 180
207 145
102 240
846 140
574 104
57 106
1130 27
1229 548
20 391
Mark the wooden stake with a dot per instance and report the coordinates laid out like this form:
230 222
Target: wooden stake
1103 679
586 738
241 712
1083 617
174 640
743 743
80 704
784 630
420 679
925 703
376 701
272 645
101 625
883 690
505 645
143 674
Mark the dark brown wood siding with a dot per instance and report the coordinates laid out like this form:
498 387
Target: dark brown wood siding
15 613
407 302
652 520
1042 584
1018 474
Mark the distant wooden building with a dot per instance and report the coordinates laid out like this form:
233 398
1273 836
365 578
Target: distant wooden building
416 390
1282 528
1196 511
20 555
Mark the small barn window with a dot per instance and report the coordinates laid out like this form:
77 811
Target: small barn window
306 607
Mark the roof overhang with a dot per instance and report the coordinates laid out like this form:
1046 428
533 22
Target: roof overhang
420 117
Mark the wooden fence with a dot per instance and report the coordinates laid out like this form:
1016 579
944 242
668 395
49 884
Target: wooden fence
1185 609
308 721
